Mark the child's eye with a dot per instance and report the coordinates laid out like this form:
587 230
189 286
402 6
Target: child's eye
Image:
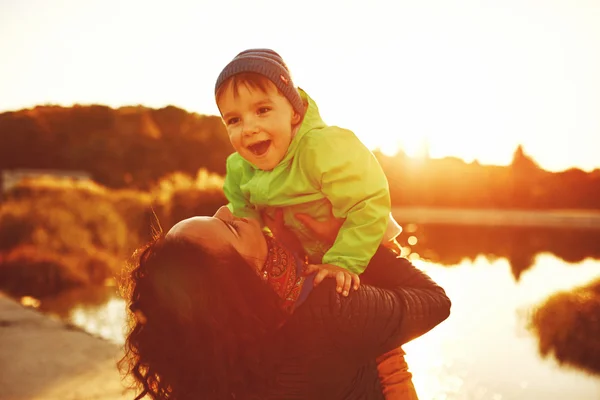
233 121
263 110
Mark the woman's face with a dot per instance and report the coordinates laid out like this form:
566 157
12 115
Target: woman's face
224 231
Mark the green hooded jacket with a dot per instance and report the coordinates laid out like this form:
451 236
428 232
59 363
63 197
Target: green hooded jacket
325 167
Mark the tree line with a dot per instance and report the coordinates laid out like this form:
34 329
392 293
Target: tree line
134 147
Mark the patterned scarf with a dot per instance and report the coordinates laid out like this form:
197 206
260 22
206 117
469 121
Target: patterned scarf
283 271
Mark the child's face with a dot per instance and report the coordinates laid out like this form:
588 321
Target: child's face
259 124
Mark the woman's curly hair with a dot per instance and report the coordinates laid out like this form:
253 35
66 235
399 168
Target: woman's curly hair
199 323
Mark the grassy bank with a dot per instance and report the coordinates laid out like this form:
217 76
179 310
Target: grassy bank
59 233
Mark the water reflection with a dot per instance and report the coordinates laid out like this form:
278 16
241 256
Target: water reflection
485 350
567 325
449 245
96 309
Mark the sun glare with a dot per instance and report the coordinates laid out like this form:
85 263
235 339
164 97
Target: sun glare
443 80
414 146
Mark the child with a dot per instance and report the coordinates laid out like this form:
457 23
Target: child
287 158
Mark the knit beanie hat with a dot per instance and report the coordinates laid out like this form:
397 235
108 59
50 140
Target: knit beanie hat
269 64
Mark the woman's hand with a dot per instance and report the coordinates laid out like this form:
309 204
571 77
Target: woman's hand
281 233
326 230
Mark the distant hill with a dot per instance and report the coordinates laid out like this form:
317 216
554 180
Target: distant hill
135 146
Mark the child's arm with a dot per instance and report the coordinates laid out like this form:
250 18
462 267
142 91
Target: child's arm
353 181
238 204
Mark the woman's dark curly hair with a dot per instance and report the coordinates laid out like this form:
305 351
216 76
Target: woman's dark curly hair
197 321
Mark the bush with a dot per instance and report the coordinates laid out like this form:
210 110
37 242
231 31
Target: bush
568 326
29 270
57 233
135 209
180 196
65 222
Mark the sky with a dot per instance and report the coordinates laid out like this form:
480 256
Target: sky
465 78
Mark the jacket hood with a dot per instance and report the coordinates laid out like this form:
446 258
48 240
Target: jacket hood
312 120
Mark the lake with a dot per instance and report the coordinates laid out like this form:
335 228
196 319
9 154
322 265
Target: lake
494 275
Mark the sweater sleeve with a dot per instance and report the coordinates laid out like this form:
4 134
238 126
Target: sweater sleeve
350 177
374 320
238 204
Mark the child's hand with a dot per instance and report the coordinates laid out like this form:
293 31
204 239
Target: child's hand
343 277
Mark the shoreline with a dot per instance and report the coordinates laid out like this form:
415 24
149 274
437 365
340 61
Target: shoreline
581 219
43 358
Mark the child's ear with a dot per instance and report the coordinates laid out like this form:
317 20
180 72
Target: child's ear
296 118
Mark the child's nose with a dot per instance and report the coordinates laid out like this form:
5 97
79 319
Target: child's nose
250 127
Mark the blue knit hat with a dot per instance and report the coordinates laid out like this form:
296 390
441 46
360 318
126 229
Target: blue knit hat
269 64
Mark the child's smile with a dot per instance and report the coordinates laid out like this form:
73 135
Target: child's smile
260 148
259 123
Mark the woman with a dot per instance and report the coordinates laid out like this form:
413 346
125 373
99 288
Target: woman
210 321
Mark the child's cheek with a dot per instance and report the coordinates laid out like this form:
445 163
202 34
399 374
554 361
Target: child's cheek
234 136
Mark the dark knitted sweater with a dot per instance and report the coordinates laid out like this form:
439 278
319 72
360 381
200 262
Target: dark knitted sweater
327 348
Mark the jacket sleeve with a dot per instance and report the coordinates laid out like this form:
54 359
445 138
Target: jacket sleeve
351 178
374 320
238 204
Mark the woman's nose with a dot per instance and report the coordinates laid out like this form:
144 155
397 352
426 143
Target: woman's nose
224 213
